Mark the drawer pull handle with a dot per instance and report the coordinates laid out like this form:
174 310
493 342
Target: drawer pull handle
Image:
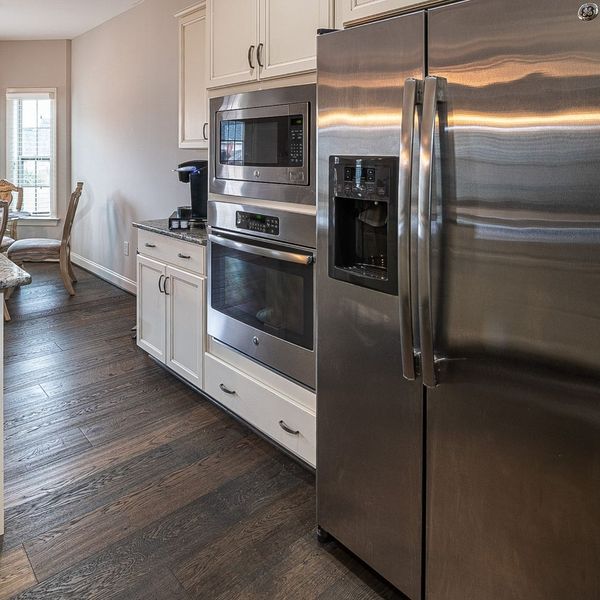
150 245
160 279
183 255
225 389
288 429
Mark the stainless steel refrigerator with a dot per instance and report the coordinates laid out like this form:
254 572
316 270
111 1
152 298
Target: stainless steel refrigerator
459 299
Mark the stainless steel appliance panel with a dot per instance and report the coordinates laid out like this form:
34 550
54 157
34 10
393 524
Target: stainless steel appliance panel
513 476
369 418
282 184
261 294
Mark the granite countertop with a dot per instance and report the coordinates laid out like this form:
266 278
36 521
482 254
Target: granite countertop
195 236
11 275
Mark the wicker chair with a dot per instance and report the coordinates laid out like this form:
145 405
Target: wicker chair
40 249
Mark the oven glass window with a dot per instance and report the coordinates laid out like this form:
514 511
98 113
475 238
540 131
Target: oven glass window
265 142
271 295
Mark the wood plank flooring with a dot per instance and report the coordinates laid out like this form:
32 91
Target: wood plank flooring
122 482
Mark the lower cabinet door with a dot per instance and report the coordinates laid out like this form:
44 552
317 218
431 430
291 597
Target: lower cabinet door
185 324
151 306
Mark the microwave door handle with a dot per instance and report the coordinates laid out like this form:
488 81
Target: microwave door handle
291 257
413 90
432 95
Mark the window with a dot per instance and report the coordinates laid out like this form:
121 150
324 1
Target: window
31 148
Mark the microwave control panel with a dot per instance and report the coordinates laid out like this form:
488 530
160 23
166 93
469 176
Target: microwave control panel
257 222
296 140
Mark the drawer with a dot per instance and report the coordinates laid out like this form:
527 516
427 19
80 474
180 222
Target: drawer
285 387
174 252
286 422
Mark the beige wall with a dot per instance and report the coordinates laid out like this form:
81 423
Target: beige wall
124 130
40 64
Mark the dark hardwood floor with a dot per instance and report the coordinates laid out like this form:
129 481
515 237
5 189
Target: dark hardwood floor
121 482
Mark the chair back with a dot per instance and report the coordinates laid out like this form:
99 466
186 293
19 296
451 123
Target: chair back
6 193
73 203
4 210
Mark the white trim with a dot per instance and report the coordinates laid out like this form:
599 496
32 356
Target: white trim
53 93
190 9
105 273
17 92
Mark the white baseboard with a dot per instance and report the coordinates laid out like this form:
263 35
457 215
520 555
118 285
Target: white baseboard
104 273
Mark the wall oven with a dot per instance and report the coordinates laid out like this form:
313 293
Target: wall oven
262 284
263 145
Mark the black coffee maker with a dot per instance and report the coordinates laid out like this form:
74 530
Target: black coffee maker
194 172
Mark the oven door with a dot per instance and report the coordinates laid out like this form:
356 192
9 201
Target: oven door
261 302
263 144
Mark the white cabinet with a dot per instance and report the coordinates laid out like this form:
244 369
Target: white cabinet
350 11
193 102
185 324
260 39
151 306
280 417
171 303
233 41
288 35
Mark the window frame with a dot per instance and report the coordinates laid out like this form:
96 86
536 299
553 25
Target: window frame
53 93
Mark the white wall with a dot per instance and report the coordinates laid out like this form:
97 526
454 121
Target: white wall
40 64
124 90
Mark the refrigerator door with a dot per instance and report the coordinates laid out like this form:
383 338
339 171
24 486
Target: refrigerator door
513 428
369 422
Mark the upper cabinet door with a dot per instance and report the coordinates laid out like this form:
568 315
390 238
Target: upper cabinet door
350 11
233 41
193 103
288 34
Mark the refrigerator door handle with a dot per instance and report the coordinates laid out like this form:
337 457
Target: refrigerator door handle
413 90
433 93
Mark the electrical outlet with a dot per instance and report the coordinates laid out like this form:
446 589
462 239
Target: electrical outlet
126 248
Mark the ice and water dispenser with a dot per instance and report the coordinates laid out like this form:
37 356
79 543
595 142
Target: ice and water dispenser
363 221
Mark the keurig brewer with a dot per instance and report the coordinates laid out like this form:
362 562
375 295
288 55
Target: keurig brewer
194 172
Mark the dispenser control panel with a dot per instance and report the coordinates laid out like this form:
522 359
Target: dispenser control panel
257 222
361 178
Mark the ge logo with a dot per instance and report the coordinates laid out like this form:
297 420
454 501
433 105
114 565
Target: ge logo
588 12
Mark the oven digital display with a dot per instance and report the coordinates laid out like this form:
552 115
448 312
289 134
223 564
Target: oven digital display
257 222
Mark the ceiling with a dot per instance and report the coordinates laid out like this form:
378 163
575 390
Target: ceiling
56 19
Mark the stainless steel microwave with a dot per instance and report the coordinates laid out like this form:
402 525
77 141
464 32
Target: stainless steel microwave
263 145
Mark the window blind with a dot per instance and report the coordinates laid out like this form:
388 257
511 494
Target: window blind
31 148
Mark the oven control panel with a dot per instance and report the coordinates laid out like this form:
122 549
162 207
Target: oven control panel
257 222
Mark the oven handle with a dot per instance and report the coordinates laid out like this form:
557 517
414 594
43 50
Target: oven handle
292 257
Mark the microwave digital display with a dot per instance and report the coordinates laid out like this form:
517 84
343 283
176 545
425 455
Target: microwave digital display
262 142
